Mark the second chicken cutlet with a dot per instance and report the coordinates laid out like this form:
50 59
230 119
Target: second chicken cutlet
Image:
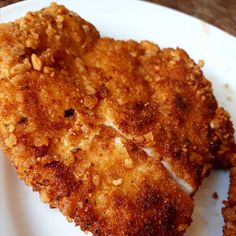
116 134
229 211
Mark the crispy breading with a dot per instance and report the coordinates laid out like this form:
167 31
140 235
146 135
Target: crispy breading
117 134
162 102
229 211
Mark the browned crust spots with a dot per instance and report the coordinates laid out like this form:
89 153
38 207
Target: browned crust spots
77 112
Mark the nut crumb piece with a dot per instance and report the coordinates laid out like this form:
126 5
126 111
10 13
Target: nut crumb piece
36 62
85 28
41 140
11 140
201 63
47 70
182 227
117 182
96 180
212 125
45 197
59 18
11 128
90 102
33 41
128 163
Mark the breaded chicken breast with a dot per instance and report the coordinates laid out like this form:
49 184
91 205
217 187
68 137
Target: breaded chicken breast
116 134
229 211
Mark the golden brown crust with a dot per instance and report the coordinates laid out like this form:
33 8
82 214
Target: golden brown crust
222 144
229 210
170 109
92 124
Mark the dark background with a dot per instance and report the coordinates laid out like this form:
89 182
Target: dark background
221 13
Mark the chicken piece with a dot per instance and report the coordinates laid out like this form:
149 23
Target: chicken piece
229 211
116 134
162 102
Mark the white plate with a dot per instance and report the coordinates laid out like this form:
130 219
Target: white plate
22 213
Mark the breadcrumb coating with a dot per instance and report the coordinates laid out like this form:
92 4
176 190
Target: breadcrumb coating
116 134
229 210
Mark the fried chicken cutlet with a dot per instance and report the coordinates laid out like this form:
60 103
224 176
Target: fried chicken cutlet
116 134
229 211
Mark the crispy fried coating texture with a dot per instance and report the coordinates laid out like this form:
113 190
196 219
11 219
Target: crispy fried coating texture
229 211
116 134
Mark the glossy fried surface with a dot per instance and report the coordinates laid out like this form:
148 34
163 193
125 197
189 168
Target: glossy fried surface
116 134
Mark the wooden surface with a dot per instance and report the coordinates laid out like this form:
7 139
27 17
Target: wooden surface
221 13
